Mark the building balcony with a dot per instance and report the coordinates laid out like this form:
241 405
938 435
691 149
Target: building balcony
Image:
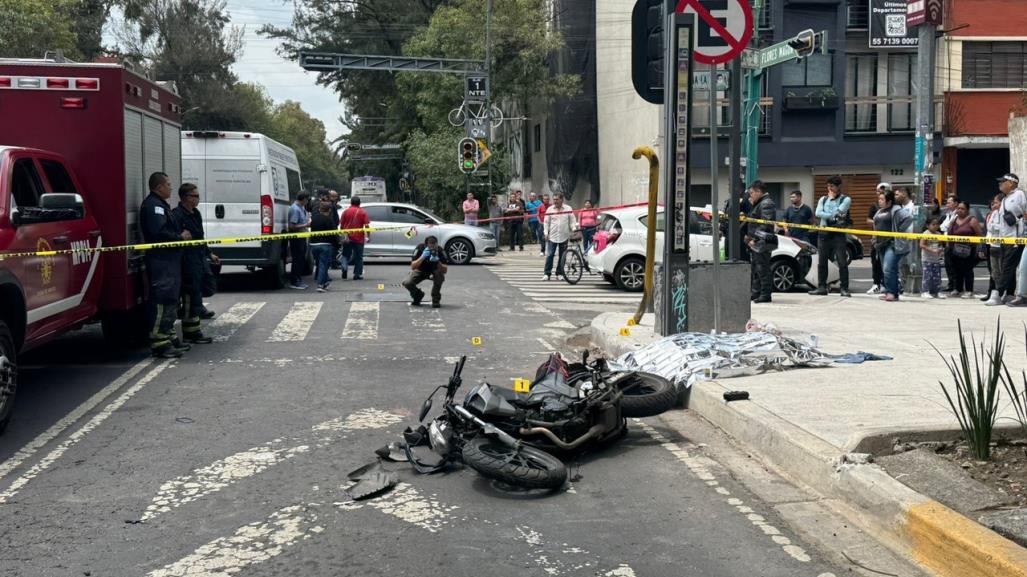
885 114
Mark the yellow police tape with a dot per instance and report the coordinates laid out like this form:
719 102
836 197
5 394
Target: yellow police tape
907 235
200 242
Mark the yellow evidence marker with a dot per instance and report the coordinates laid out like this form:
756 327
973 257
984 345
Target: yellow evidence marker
522 386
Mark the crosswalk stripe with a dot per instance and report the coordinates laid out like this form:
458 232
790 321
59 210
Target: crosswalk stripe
225 325
429 320
296 324
362 321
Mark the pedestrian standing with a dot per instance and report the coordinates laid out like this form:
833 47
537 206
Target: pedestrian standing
588 219
429 261
299 221
761 240
875 255
496 219
963 255
558 224
891 218
905 201
471 208
948 215
514 214
798 213
353 220
163 266
931 255
833 211
744 206
324 246
531 209
542 219
196 261
993 249
1010 225
333 198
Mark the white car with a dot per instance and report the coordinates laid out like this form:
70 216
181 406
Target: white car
407 225
619 253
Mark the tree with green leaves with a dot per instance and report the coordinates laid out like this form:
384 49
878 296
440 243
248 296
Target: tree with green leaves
292 126
32 27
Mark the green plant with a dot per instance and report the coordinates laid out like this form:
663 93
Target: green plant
975 399
1018 398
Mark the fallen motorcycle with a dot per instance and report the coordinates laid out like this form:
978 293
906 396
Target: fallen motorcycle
512 436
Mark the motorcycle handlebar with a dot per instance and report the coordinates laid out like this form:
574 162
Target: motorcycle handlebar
459 366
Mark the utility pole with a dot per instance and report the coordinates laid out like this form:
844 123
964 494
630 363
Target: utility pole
733 240
923 153
488 70
752 104
714 199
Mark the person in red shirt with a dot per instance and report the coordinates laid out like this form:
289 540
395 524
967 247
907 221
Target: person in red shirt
542 218
353 251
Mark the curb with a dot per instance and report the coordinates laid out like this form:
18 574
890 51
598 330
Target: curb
909 523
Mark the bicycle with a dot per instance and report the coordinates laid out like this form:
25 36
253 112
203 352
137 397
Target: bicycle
575 265
458 116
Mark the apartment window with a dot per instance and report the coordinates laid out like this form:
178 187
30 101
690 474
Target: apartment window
701 106
857 14
994 64
767 15
901 68
814 70
537 138
860 93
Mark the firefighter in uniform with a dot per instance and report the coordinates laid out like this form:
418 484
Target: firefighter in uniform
194 264
164 266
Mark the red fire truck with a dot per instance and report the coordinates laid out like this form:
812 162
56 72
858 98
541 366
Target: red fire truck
77 144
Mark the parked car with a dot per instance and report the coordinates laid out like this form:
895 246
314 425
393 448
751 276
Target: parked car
854 246
620 253
409 225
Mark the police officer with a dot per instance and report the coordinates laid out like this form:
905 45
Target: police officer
164 266
194 264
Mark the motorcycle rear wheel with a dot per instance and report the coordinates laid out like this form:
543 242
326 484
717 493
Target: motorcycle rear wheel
646 395
526 467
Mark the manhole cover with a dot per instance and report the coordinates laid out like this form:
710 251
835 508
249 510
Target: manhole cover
377 298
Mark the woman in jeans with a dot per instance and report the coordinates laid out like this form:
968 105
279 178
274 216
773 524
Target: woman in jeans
891 218
994 249
588 220
963 255
322 247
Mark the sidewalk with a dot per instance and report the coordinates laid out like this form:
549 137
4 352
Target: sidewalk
803 421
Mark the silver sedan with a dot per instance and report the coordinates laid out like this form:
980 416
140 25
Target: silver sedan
408 225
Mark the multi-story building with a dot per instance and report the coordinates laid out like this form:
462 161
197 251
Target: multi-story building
982 69
850 111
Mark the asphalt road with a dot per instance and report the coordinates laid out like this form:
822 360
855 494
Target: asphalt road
232 460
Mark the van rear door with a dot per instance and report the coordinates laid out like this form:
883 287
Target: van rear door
233 174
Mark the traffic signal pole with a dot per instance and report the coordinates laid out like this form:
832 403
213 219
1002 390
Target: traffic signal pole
751 114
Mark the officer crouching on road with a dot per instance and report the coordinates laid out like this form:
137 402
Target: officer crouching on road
762 241
429 261
164 266
195 267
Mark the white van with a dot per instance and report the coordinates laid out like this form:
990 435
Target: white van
247 182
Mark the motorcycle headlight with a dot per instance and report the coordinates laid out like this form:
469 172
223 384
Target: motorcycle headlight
438 437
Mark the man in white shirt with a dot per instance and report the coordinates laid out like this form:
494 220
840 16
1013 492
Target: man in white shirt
1010 225
558 224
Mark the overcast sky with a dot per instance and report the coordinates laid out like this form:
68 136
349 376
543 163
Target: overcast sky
283 79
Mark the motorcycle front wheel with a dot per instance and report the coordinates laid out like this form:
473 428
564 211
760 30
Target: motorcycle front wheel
646 395
526 467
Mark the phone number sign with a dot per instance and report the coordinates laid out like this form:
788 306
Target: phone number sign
888 27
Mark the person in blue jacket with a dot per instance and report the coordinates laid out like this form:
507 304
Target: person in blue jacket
533 222
164 267
833 210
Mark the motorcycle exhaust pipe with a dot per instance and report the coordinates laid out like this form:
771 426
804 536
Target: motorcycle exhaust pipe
592 433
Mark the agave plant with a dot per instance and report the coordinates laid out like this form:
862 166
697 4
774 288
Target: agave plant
974 400
1017 398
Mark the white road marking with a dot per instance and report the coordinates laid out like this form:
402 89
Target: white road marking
225 325
84 430
700 467
408 504
296 324
622 571
560 324
429 321
251 544
362 322
57 428
220 474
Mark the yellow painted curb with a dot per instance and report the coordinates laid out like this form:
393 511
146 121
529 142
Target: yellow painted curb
952 545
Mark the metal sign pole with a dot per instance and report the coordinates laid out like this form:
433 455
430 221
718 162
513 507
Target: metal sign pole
678 102
715 201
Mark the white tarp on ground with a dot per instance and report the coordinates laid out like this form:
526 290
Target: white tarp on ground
687 358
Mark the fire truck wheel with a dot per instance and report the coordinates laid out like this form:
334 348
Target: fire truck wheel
8 374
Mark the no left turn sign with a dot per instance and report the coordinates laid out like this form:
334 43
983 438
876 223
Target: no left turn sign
723 28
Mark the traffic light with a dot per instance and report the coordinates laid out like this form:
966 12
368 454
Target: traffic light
804 43
470 155
647 48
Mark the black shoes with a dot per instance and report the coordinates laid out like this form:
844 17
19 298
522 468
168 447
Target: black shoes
198 339
761 299
436 305
207 314
179 345
818 292
417 298
355 277
846 293
167 352
345 274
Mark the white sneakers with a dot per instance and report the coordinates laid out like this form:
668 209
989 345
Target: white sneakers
874 290
993 300
545 277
